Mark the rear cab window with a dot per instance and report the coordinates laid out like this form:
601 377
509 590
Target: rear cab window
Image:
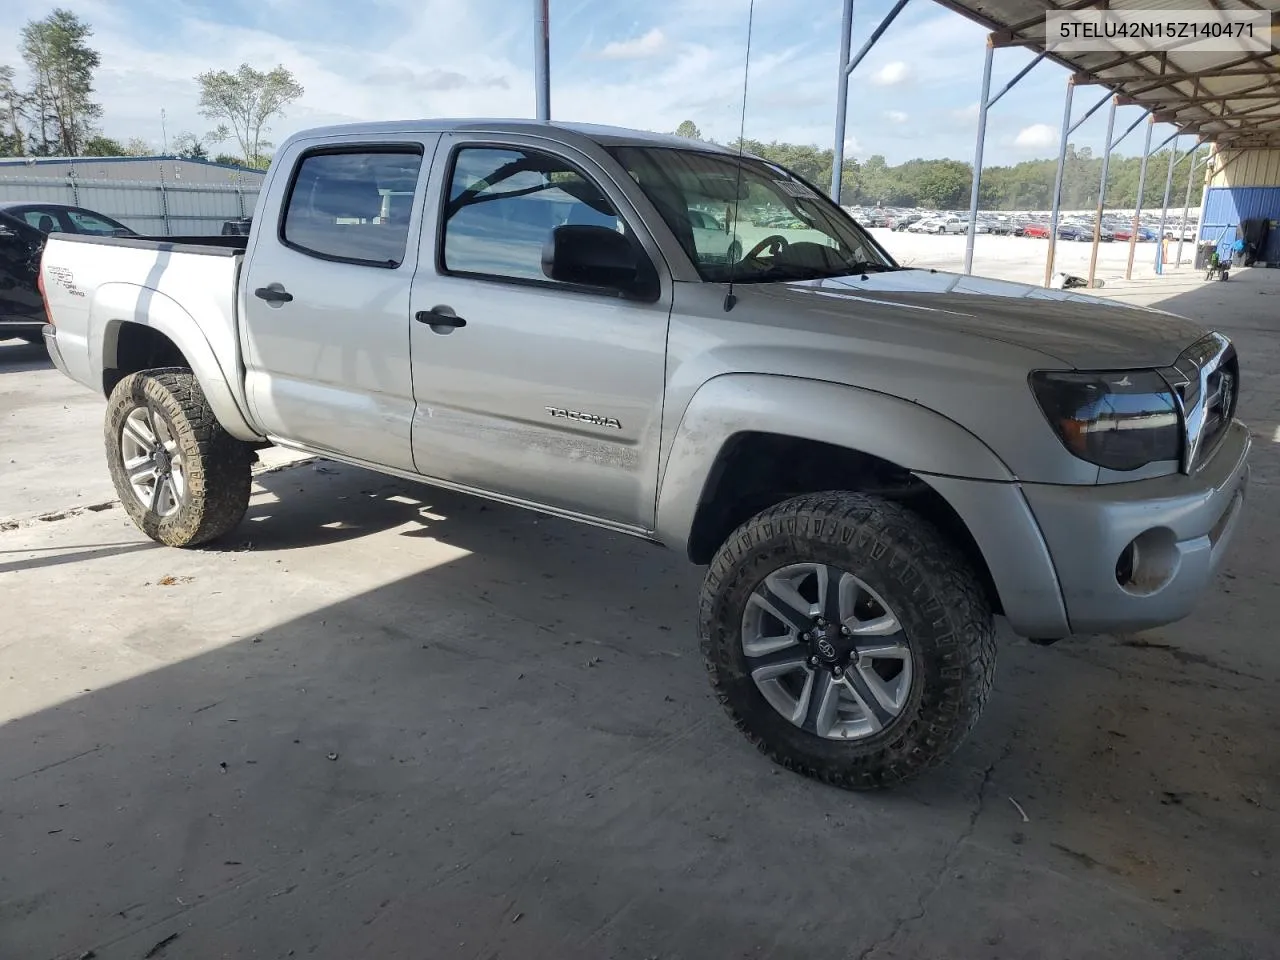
353 204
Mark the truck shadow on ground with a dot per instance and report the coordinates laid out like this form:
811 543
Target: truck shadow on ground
18 356
495 737
480 732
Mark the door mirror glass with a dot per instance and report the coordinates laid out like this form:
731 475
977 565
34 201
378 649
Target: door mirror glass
594 256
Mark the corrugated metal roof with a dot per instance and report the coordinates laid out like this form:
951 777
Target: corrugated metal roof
1224 97
129 168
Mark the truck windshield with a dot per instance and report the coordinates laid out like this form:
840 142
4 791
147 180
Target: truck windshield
756 224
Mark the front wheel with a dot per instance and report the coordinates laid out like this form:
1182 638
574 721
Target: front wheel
182 479
847 638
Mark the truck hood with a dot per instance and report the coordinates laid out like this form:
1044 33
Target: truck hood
1081 331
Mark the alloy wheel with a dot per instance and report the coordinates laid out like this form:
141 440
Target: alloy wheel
826 651
153 461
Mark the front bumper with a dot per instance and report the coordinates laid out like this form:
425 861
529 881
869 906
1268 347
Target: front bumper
1182 526
1057 553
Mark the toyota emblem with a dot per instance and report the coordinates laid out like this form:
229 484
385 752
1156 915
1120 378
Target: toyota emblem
826 649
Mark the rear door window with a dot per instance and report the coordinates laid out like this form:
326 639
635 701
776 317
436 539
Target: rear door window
46 221
353 205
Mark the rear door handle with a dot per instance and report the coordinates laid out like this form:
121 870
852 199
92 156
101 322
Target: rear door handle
440 317
273 293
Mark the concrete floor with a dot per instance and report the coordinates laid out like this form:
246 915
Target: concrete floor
385 721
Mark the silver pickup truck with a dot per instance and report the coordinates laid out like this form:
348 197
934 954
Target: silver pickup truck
874 461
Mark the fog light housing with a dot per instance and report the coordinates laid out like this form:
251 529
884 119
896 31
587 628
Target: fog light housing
1148 563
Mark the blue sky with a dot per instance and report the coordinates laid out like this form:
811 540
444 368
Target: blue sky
647 65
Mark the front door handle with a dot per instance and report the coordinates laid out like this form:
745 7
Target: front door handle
440 319
273 293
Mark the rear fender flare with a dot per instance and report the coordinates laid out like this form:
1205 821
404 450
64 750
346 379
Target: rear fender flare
115 304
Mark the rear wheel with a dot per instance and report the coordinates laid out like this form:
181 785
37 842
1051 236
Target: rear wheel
848 640
181 478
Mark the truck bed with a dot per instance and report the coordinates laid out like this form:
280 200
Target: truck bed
183 288
216 245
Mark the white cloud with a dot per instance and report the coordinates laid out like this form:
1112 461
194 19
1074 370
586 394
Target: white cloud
966 114
638 48
895 116
891 74
1038 136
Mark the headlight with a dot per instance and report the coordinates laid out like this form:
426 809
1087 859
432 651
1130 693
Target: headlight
1121 420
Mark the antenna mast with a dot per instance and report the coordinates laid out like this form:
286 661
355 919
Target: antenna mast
729 298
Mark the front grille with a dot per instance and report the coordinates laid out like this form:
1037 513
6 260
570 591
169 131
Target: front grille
1206 379
1222 391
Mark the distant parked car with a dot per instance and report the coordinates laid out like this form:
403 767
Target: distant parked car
905 223
712 241
1125 233
1039 230
237 228
24 225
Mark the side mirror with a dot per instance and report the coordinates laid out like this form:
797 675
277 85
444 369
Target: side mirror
595 256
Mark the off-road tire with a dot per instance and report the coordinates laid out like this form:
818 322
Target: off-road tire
217 466
932 590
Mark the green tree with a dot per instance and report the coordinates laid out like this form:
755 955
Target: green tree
243 104
190 147
13 115
57 53
100 146
137 147
688 129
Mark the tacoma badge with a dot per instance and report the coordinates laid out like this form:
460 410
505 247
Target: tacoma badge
584 417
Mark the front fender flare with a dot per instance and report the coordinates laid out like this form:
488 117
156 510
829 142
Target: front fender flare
115 304
904 433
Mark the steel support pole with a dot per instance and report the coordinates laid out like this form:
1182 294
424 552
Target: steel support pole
1102 191
984 104
1186 206
1164 209
1137 206
1016 77
876 34
1057 182
847 66
842 100
542 59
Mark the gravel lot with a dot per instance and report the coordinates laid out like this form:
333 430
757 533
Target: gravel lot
384 721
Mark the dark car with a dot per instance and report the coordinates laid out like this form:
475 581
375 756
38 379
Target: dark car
237 228
23 228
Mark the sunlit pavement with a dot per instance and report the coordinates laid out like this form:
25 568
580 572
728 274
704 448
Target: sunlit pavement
383 721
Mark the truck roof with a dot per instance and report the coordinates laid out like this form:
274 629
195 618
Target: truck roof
565 132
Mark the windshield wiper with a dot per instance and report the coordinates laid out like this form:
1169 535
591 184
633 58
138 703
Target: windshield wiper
866 266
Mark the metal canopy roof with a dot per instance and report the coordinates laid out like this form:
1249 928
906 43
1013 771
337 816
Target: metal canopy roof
1232 98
